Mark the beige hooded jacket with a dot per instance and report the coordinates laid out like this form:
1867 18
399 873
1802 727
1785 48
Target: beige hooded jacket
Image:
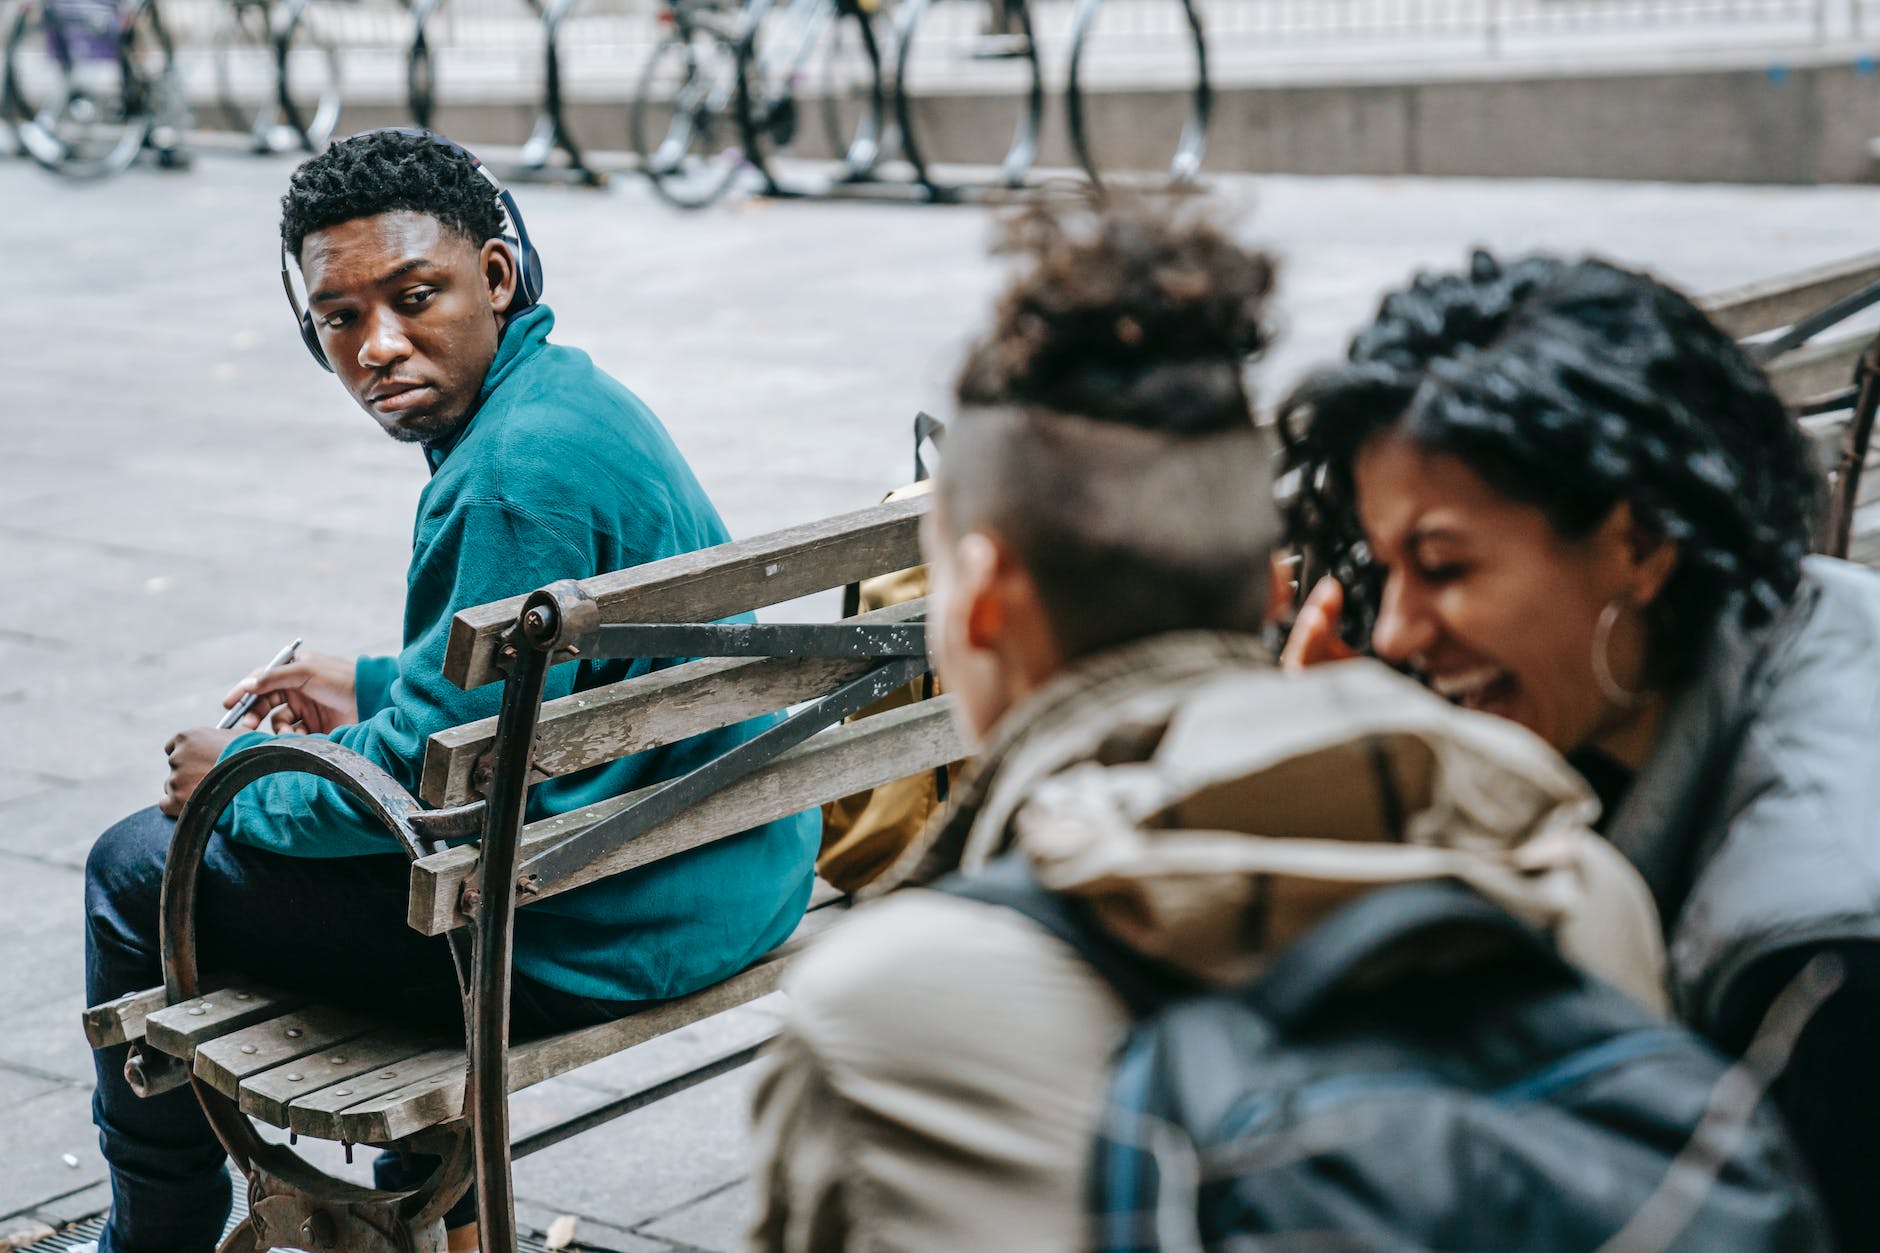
942 1061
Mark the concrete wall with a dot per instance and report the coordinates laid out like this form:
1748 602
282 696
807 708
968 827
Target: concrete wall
1808 121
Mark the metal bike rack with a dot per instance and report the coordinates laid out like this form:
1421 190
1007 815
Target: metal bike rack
551 133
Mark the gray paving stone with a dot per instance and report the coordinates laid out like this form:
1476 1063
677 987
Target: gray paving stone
589 1233
17 1086
44 906
58 824
719 1221
643 1165
46 1038
36 1137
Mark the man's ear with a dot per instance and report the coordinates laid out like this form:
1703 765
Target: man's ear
499 272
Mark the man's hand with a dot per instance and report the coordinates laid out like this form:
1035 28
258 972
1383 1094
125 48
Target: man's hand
1315 638
191 753
312 694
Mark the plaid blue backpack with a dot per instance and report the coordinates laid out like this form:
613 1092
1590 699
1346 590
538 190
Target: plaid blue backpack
1423 1072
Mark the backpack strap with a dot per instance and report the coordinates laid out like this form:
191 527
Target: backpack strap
1388 922
1143 984
1385 922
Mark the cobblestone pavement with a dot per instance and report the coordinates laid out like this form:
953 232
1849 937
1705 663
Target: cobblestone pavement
181 491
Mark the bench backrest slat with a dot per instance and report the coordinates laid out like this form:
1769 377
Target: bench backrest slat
851 758
1818 370
1770 304
592 727
717 582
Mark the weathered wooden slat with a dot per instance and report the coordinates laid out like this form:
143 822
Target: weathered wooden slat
1818 369
181 1029
717 582
1768 304
838 762
309 1094
269 1094
319 1113
122 1020
588 728
225 1061
440 1098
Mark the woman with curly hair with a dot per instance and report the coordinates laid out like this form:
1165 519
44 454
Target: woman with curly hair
1556 492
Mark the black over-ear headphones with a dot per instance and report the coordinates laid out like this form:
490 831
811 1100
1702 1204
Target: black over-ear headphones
515 237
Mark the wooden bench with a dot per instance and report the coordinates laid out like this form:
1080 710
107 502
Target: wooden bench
324 1071
1827 374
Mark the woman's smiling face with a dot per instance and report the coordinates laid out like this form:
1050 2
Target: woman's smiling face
1496 608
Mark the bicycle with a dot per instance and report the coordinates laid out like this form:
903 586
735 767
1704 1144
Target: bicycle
779 45
683 118
91 85
735 103
269 58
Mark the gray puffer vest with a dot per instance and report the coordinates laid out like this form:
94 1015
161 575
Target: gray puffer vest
1756 821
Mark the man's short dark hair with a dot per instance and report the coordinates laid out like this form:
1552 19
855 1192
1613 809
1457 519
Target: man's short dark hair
388 172
1105 432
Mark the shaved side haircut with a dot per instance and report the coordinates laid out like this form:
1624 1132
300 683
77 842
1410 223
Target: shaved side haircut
1105 432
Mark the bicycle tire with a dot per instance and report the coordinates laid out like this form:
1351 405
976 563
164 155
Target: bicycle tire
686 162
1185 163
1023 150
302 45
53 134
242 38
835 130
421 66
769 117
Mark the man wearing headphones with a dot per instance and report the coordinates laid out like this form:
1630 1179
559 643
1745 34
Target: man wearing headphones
425 303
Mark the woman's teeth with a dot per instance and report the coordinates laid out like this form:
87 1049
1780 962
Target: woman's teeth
1470 686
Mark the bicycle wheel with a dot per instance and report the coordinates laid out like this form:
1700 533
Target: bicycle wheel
1133 26
950 48
683 116
802 35
308 72
420 70
246 97
855 94
80 75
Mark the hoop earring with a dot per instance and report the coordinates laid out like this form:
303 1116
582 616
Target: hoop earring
1602 664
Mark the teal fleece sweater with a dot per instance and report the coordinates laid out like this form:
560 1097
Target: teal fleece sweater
561 474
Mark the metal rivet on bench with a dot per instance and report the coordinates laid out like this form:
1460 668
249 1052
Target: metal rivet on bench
337 1061
342 1091
248 1048
294 1078
293 1033
388 1074
196 1011
244 996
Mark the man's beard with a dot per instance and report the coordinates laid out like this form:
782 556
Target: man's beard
426 430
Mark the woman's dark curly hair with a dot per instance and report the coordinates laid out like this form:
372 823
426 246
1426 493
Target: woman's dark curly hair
384 172
1569 386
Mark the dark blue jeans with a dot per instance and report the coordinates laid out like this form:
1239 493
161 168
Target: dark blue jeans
333 928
